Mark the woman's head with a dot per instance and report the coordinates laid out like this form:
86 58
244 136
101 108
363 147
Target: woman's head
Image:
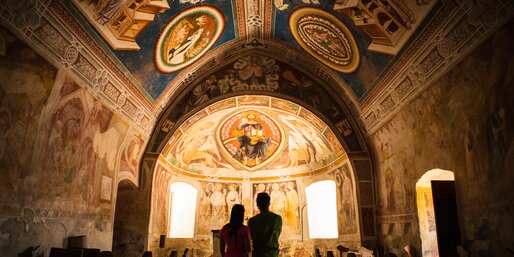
237 215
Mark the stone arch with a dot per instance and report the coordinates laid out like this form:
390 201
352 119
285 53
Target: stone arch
303 81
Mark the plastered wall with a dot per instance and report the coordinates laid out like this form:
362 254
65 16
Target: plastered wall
462 123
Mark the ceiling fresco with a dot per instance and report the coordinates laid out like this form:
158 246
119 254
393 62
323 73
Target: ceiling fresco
153 41
139 58
376 30
255 72
252 136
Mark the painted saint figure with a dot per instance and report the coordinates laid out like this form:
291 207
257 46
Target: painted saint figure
253 143
293 202
232 197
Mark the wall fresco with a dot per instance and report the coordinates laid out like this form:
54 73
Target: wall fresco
215 204
285 202
250 138
65 172
258 139
27 80
161 201
462 123
347 208
130 157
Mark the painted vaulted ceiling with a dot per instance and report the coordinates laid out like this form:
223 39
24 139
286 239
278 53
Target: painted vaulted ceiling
141 55
154 41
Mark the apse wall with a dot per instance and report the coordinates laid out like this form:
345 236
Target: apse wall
62 152
462 123
213 208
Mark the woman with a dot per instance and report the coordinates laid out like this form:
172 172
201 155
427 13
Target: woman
235 237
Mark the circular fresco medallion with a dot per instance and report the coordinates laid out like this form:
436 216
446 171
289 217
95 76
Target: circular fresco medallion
187 37
326 38
250 139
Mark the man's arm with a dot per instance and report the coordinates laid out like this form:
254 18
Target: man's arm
279 226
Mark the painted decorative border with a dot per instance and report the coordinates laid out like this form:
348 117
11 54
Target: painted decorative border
303 18
166 66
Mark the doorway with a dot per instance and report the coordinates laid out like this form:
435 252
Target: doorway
437 213
446 219
129 236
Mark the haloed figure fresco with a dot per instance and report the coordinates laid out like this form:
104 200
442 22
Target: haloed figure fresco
253 143
284 202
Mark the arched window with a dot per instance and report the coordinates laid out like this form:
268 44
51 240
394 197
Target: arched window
322 209
182 210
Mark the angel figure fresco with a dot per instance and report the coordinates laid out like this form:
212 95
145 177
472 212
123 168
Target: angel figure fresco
187 39
305 145
253 143
198 145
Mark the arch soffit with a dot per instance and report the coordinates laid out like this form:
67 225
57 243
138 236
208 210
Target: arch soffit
301 81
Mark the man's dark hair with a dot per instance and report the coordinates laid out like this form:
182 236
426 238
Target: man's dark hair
263 200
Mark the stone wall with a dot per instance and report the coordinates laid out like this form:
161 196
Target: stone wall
60 151
463 123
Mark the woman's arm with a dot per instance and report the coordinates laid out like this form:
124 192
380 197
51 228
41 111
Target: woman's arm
222 246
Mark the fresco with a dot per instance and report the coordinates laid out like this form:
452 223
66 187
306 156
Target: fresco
187 37
27 80
284 202
215 205
69 168
257 139
160 201
130 156
250 138
346 211
377 44
80 144
136 62
262 73
326 38
58 153
464 123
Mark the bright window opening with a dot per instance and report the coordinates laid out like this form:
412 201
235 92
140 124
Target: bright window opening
183 210
322 209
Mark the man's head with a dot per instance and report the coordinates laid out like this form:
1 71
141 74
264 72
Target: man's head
263 201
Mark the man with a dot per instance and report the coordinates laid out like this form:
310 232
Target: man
265 228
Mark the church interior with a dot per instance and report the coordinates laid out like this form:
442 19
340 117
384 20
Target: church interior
381 127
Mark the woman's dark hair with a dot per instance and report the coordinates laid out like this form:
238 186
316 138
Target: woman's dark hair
236 218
